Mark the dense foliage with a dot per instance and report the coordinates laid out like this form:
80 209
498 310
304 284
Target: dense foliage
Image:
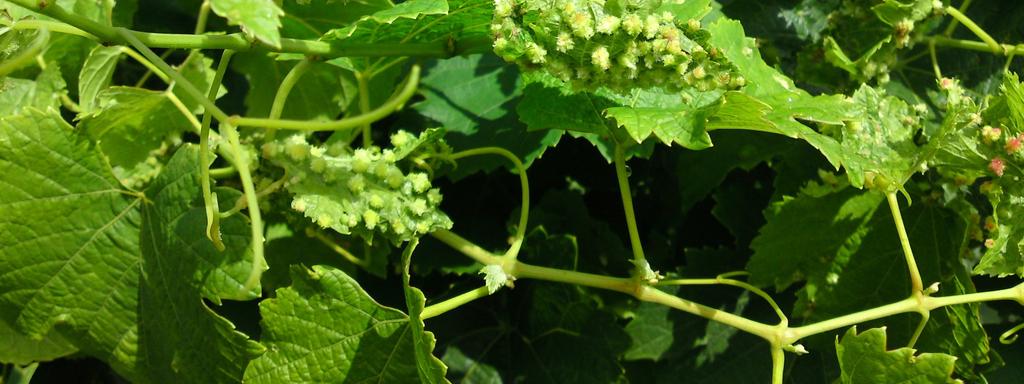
488 191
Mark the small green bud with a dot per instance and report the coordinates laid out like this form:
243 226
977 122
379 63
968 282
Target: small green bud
356 184
418 207
600 58
564 42
360 161
420 182
651 26
608 25
376 201
370 218
632 24
535 53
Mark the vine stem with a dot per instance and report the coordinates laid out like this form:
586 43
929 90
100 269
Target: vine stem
393 104
363 81
238 42
977 30
735 283
639 261
285 89
524 188
777 335
953 24
915 275
255 218
452 303
209 199
778 363
1007 49
339 249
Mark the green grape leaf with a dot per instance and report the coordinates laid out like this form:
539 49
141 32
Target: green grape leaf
362 192
1004 256
258 18
325 319
880 148
19 349
42 93
783 256
430 369
652 330
412 9
893 12
324 92
310 19
544 107
785 105
864 359
47 250
178 263
809 18
473 97
465 369
129 123
684 125
95 75
97 235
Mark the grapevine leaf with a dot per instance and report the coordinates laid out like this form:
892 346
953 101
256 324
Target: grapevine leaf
19 349
880 147
809 18
545 107
783 256
935 236
47 250
325 328
322 93
652 330
310 19
684 125
894 11
44 92
864 359
258 18
473 98
178 329
465 369
1004 257
411 9
95 75
430 369
784 102
131 122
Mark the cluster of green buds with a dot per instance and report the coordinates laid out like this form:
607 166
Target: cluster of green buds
618 45
361 191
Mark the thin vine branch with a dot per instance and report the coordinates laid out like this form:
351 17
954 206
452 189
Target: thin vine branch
915 275
639 261
209 199
238 42
524 188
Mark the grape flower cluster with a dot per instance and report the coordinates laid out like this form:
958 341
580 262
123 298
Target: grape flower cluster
619 45
361 191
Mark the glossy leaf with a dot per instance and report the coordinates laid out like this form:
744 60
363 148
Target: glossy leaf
258 18
865 358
